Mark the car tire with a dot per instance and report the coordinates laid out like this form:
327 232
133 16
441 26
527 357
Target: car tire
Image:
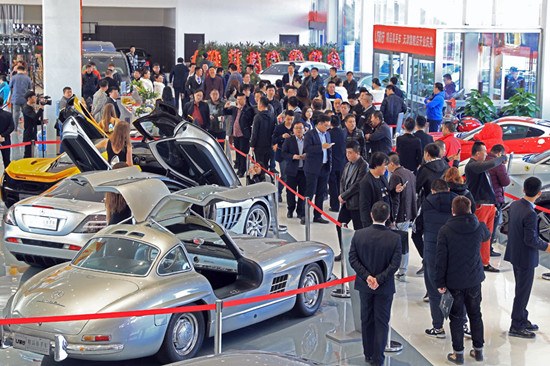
308 303
257 221
190 327
544 222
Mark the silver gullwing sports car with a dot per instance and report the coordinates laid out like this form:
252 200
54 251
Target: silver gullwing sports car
171 257
50 228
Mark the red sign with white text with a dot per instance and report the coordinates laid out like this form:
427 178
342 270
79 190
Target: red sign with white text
418 41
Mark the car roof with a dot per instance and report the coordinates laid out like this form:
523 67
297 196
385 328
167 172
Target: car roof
163 239
538 121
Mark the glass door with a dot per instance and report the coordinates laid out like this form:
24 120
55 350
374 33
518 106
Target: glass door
420 82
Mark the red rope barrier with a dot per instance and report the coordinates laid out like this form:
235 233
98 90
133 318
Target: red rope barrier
540 208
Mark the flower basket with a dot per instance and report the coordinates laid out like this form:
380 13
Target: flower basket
255 58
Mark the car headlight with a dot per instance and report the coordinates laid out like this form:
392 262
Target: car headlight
9 218
92 224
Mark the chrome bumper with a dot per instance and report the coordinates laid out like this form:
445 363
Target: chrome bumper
62 349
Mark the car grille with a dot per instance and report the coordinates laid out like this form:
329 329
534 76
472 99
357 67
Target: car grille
42 243
229 216
279 284
39 261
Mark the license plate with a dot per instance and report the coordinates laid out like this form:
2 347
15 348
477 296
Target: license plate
41 222
32 344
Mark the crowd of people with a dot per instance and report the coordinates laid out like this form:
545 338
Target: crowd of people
335 144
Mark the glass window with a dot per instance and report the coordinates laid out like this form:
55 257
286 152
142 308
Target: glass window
117 255
534 132
279 69
382 67
103 60
173 262
536 158
452 62
514 132
74 189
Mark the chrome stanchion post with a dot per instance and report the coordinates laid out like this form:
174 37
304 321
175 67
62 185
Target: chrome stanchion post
308 218
33 146
343 291
218 329
392 346
275 208
228 150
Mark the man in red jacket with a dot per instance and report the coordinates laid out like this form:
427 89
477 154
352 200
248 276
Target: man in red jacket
499 180
452 145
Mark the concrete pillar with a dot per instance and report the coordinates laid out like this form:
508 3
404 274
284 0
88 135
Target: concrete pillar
544 76
332 21
367 29
62 38
180 29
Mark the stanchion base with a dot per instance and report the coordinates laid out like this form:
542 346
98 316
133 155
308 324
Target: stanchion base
345 337
394 347
342 294
283 229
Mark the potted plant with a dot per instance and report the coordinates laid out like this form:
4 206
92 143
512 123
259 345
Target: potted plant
522 103
479 106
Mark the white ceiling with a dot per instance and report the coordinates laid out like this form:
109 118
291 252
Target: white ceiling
107 3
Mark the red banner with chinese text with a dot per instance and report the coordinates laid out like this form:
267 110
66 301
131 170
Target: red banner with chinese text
418 41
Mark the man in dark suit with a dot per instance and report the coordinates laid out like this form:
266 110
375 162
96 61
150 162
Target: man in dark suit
374 187
409 147
317 147
293 153
522 251
198 110
6 128
420 131
289 76
375 255
262 131
338 137
178 77
243 116
381 138
354 171
113 99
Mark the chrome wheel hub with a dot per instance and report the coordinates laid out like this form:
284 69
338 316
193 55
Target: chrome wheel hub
185 334
310 297
256 225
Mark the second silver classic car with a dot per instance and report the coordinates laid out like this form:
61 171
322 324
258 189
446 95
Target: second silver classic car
172 257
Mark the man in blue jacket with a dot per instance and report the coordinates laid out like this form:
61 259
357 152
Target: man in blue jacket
434 107
522 251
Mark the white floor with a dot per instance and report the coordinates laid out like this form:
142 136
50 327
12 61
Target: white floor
411 315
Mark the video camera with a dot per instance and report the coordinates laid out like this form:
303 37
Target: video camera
44 99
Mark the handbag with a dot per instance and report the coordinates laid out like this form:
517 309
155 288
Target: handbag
446 303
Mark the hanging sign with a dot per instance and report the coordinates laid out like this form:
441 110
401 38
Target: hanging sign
418 41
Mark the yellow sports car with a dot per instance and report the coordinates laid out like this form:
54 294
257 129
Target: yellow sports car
31 176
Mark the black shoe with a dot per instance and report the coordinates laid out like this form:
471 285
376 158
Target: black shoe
489 268
320 220
531 327
333 210
495 254
546 276
436 333
420 271
477 354
302 220
369 360
289 214
274 171
280 199
240 175
521 333
456 358
338 258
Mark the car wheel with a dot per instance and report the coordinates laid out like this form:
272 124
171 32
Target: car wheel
544 223
308 303
257 221
183 338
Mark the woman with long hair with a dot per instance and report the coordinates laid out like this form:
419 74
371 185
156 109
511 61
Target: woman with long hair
306 118
115 205
108 118
119 146
456 185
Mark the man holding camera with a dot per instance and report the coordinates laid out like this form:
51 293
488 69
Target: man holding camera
6 128
32 118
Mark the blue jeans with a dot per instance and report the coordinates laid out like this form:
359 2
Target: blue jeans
434 125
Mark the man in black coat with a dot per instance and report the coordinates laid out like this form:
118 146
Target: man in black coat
409 147
381 138
317 147
432 169
6 128
338 138
293 153
31 120
522 251
420 131
436 210
178 78
113 93
391 106
373 187
354 171
289 76
243 116
198 110
375 254
262 132
460 271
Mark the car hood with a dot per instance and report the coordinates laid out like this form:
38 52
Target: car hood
36 169
69 290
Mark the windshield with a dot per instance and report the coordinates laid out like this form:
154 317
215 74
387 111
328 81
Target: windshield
279 69
537 158
117 255
467 135
103 60
74 189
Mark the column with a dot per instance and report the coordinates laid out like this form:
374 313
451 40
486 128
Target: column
180 29
332 21
544 76
367 29
62 39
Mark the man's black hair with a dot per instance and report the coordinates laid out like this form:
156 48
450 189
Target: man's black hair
390 87
333 68
270 86
232 67
156 64
477 146
432 150
250 66
532 186
246 87
378 159
262 84
264 101
439 185
349 72
447 76
409 124
289 113
376 81
292 64
421 121
394 158
331 82
113 88
219 69
64 89
378 115
439 86
323 118
354 145
498 148
180 60
293 101
315 68
239 94
349 116
380 211
450 126
394 80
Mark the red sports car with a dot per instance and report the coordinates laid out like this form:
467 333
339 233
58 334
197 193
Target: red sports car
520 135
